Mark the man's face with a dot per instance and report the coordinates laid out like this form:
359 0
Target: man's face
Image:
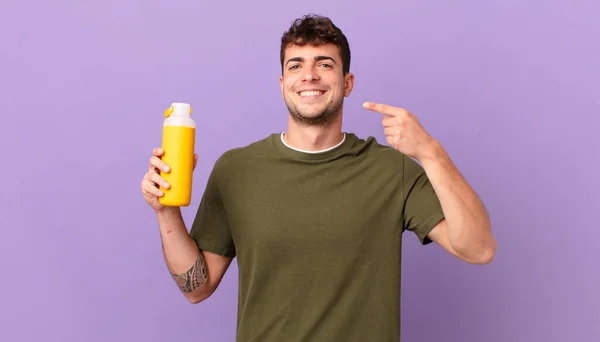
313 84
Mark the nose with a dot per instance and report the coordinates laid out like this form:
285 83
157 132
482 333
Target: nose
310 75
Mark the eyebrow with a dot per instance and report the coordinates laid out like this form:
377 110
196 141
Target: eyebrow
317 58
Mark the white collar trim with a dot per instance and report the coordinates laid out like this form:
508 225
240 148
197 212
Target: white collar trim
313 152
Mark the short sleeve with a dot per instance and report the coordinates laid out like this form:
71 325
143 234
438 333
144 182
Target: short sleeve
211 229
422 208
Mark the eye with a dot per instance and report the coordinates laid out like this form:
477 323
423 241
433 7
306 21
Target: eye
295 66
325 65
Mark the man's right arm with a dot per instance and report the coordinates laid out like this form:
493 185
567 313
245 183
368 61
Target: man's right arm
196 272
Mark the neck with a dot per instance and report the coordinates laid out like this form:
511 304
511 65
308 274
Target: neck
313 138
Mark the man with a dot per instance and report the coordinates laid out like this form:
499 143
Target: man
315 216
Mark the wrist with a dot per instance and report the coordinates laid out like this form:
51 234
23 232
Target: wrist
170 220
433 152
166 212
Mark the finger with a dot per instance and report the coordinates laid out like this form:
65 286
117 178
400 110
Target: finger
382 108
149 187
389 121
158 152
157 164
156 180
390 131
394 121
195 159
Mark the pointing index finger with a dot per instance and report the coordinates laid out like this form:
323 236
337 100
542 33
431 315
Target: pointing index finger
381 108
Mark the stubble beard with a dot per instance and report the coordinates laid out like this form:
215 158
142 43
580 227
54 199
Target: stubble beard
323 119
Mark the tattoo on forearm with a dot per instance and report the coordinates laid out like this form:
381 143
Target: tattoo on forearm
194 277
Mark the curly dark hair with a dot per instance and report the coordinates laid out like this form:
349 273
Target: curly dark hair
316 30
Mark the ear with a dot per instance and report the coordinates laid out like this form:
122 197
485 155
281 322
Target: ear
281 84
348 84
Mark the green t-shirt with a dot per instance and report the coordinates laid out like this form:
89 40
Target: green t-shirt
317 236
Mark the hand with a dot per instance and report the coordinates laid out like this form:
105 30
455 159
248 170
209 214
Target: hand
152 179
403 131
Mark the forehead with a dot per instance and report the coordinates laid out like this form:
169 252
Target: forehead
310 51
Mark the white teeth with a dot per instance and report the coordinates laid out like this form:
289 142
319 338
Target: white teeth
311 93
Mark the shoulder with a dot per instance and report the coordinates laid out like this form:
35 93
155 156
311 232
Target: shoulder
390 164
386 159
373 150
238 156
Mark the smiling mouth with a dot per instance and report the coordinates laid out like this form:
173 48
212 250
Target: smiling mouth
311 93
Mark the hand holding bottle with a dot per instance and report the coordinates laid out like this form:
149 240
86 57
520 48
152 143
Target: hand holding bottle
152 180
168 182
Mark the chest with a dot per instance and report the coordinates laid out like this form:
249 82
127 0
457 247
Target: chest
314 210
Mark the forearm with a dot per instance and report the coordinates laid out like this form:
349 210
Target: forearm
468 222
184 259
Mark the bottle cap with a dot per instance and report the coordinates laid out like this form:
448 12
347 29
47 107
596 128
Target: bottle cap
178 108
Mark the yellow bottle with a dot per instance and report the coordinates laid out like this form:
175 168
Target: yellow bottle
178 139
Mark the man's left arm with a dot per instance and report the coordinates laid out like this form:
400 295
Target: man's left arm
465 231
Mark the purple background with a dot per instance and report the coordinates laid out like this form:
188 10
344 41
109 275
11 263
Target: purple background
510 88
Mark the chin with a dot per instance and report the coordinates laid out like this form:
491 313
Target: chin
322 118
317 114
312 114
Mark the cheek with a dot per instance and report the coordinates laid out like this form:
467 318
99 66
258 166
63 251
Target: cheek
289 82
